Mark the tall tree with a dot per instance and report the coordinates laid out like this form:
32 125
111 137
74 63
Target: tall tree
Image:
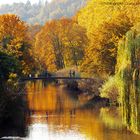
105 23
14 39
60 43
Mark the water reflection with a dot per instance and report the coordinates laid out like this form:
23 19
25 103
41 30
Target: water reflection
49 98
56 115
112 117
43 132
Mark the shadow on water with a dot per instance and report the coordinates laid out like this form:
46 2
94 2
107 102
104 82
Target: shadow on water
13 110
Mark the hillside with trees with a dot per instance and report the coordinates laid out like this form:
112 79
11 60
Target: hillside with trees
42 12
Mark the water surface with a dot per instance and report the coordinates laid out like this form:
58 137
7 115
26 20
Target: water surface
59 114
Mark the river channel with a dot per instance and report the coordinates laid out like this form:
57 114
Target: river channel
58 114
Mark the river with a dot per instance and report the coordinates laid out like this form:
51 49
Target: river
58 114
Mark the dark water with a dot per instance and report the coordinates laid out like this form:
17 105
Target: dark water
57 114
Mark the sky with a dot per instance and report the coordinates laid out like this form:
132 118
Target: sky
12 1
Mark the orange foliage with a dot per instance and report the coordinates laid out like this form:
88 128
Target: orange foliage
59 44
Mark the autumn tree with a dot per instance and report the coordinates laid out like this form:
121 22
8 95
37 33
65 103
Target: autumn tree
105 23
14 40
60 44
100 55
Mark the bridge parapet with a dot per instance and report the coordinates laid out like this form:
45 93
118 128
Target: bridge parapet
53 78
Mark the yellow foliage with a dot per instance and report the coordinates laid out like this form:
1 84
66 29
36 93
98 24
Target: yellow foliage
106 22
60 44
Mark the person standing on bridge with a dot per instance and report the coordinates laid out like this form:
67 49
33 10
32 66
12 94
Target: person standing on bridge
70 73
73 73
30 75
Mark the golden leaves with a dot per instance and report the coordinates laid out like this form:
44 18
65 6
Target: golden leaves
60 43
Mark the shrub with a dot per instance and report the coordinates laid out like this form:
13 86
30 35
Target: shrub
112 89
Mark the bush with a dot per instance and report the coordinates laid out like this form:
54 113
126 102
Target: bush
112 89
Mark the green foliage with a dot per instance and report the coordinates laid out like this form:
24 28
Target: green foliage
8 65
127 79
10 70
130 76
112 88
